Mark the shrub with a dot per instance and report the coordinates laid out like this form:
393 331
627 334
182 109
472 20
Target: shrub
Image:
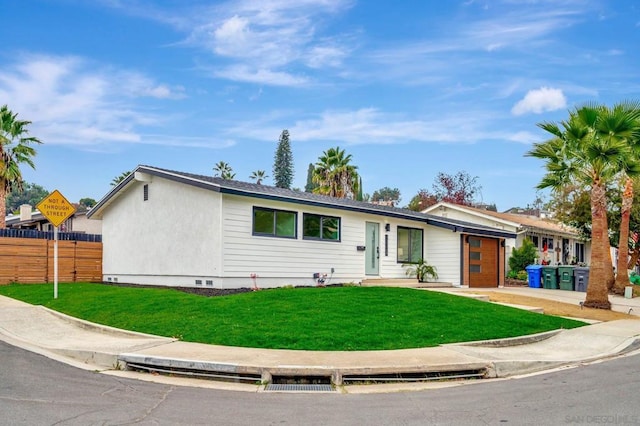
523 256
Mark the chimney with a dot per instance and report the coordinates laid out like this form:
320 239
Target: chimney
25 212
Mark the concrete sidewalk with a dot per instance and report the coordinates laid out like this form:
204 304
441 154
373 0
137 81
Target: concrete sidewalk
104 348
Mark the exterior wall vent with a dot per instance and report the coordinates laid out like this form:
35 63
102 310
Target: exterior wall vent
198 282
109 279
209 283
145 192
115 280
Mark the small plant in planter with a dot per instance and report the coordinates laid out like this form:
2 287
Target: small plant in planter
421 270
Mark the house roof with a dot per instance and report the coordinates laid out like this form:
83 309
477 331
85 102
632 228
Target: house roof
524 222
227 186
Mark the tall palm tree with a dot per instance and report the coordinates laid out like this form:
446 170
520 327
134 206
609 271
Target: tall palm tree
15 148
623 121
223 170
258 176
581 151
335 176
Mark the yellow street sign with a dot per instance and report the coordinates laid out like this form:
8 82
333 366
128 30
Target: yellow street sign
56 208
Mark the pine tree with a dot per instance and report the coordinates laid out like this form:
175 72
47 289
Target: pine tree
311 185
283 163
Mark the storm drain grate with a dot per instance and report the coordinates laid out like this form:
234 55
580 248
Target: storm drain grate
199 374
299 387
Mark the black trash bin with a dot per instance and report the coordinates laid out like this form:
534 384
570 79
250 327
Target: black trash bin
581 277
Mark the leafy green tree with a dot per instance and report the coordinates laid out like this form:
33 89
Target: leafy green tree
523 256
311 185
283 162
335 175
29 194
590 149
122 176
223 170
15 149
258 176
386 194
87 202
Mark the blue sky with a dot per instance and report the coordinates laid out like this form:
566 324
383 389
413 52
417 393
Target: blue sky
408 88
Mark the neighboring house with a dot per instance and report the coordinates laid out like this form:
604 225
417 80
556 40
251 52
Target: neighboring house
564 245
33 219
170 228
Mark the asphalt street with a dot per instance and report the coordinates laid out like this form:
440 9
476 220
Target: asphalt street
35 390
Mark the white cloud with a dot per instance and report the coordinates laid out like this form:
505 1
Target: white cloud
73 102
270 41
540 100
372 126
259 76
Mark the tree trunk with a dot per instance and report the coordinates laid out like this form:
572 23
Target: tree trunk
3 205
622 277
600 262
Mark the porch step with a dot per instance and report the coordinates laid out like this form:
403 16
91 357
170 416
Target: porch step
403 282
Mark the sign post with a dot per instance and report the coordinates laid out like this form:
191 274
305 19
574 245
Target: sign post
56 209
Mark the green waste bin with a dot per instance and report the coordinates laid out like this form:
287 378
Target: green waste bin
565 277
550 277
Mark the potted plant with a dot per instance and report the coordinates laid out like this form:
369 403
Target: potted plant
421 270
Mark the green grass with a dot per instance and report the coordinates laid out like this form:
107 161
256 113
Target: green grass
332 318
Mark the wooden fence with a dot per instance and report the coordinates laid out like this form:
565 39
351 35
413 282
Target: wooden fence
30 260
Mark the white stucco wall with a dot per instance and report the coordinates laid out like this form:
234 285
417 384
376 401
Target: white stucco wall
173 235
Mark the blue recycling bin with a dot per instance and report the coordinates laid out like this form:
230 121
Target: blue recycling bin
534 273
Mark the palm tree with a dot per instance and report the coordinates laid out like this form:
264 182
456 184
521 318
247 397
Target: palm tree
335 176
581 150
258 176
122 176
623 121
223 170
15 149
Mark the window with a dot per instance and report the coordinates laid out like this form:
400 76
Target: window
534 240
548 242
579 252
409 245
318 227
274 223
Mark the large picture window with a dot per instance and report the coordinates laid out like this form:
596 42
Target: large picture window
410 245
318 227
274 223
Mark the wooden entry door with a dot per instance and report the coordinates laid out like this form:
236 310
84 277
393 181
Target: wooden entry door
483 262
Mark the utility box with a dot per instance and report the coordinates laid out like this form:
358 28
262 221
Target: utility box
581 278
550 277
628 292
565 278
534 274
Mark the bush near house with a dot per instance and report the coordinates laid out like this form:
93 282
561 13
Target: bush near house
523 256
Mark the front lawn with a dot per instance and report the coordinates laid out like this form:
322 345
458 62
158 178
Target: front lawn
332 318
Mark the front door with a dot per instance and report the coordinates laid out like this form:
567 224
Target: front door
372 249
483 262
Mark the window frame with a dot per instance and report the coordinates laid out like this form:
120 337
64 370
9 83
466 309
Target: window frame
409 229
275 212
322 219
